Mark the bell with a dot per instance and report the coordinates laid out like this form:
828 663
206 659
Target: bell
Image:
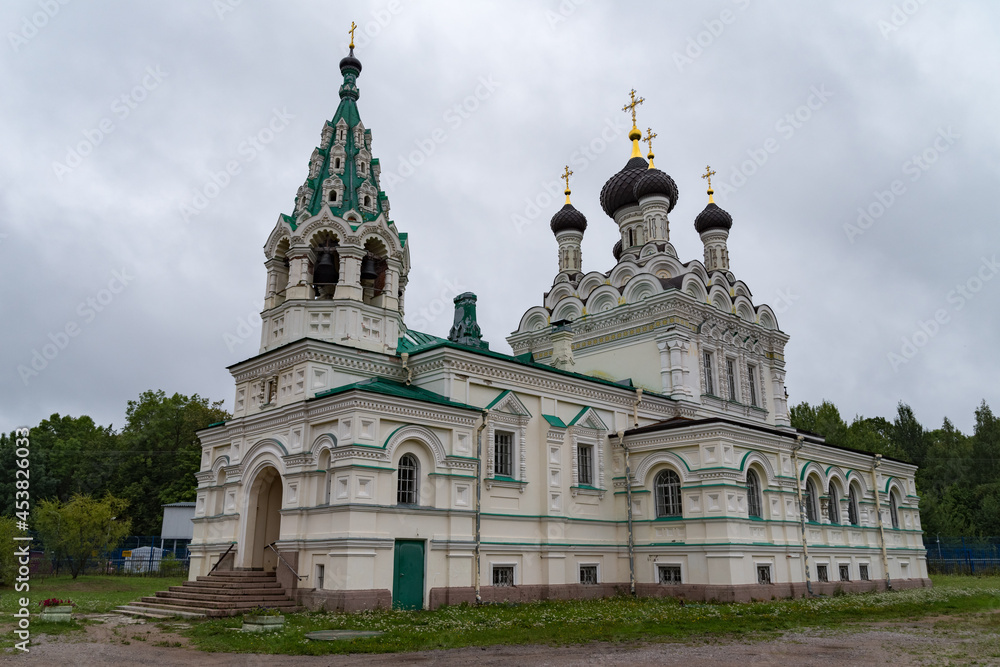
369 271
326 272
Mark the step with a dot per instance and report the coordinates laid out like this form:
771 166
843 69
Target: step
239 575
222 594
146 611
217 604
231 586
241 599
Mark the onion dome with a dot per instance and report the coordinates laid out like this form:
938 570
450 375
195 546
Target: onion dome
655 182
617 193
568 218
349 61
712 217
617 250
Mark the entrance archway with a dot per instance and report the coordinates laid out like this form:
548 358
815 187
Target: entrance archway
264 519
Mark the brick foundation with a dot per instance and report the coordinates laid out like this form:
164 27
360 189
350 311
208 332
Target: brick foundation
345 601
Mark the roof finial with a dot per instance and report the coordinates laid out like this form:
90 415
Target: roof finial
354 27
650 135
708 176
634 134
566 174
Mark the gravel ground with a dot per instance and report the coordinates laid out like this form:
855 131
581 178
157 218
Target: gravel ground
120 641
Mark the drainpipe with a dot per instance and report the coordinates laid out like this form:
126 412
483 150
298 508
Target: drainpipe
635 408
881 528
628 502
802 509
479 500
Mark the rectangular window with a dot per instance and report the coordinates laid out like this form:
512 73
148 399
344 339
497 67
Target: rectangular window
320 575
752 379
503 454
845 572
822 573
588 574
863 572
763 574
668 574
731 375
585 465
503 575
709 383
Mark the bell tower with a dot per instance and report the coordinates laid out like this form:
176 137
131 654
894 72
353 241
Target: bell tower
337 266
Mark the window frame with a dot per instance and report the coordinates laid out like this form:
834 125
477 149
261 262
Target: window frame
893 510
667 494
823 573
708 364
842 569
496 567
864 572
752 383
731 379
833 505
588 566
508 459
768 579
671 567
853 509
585 463
412 480
810 498
755 499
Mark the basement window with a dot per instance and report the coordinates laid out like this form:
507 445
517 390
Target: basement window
503 575
845 572
763 574
863 572
668 574
588 575
822 573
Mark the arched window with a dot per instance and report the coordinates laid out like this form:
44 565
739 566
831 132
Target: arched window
811 498
406 484
333 195
336 163
754 504
631 238
668 494
368 200
894 509
833 507
852 506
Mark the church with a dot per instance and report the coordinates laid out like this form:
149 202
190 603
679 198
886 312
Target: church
636 440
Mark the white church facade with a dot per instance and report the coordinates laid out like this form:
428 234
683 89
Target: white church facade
638 437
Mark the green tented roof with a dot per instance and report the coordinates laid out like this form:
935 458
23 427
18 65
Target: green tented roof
554 421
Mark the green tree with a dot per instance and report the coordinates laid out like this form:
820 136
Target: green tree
909 435
73 453
874 435
824 420
81 528
159 453
8 560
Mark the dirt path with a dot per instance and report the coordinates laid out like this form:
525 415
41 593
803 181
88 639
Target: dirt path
119 642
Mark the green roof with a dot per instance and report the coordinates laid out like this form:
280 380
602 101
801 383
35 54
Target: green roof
396 389
554 421
413 342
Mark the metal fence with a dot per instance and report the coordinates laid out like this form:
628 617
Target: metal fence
963 555
140 555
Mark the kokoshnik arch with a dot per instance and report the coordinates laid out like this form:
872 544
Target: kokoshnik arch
638 437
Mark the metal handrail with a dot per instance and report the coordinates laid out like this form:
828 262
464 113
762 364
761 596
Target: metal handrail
281 558
222 557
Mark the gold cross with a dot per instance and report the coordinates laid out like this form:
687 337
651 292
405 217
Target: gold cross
354 27
631 107
708 176
566 175
650 135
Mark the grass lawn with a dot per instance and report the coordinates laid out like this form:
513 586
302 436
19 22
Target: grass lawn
612 620
92 593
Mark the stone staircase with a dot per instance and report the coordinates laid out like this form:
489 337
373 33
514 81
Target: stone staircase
219 594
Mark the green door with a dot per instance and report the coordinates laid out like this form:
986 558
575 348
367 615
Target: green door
408 575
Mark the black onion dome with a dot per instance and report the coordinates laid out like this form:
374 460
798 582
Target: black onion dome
350 61
617 250
655 182
617 192
568 218
712 217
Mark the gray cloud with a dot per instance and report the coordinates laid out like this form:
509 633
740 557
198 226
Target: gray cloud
563 70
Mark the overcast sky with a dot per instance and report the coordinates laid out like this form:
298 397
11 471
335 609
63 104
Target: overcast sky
118 225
